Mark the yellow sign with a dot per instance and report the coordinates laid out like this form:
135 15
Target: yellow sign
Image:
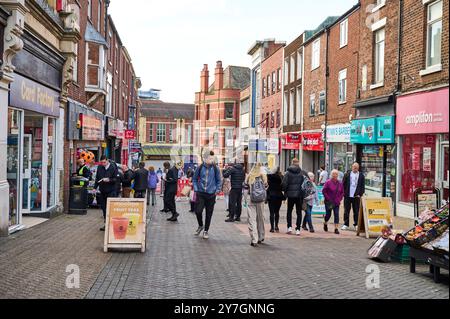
125 223
375 214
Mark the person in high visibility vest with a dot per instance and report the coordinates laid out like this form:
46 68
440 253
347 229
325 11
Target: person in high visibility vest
83 171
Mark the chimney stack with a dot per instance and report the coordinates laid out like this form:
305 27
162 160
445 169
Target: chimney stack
204 79
218 84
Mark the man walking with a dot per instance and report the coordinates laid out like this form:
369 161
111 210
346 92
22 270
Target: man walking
170 191
140 181
292 188
106 180
354 188
236 174
207 183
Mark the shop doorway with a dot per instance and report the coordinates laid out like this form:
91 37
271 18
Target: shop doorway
26 174
445 171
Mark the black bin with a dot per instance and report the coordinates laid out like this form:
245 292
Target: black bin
78 198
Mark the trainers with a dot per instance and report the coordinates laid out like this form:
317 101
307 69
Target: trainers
297 232
345 227
205 235
198 231
289 231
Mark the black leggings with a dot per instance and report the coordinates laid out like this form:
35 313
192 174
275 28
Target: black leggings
274 207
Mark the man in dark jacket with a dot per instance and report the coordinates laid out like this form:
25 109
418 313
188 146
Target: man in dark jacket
236 174
106 180
140 182
127 178
170 191
292 188
354 188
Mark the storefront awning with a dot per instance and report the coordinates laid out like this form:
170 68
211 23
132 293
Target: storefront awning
168 151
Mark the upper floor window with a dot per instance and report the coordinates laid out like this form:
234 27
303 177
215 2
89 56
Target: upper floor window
245 106
268 85
315 56
89 9
279 79
312 105
99 15
343 86
264 90
229 111
151 140
434 33
286 71
299 65
274 82
344 33
379 56
292 70
208 111
95 65
216 139
161 133
322 102
188 138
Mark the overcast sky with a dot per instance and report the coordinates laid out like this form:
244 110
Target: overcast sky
170 40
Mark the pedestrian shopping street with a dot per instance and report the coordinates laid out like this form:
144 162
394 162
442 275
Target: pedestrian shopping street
179 265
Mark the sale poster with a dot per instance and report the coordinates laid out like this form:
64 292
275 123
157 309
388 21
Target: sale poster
427 159
415 157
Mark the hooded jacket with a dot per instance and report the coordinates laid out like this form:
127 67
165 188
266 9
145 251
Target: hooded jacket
292 183
236 174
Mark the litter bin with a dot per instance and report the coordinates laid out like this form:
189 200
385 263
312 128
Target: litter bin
78 198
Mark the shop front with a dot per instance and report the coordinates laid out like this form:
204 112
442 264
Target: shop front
422 136
33 130
376 152
85 132
290 148
115 140
339 149
313 151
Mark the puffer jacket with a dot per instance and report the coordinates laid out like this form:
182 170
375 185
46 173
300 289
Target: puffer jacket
236 174
292 182
274 192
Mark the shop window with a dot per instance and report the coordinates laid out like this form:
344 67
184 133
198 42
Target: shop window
418 169
13 164
51 147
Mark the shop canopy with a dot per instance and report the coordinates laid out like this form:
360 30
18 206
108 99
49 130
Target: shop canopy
168 150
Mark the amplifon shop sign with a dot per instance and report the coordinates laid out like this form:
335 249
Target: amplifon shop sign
423 113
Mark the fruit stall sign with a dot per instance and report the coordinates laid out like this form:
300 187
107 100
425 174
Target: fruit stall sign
374 215
125 224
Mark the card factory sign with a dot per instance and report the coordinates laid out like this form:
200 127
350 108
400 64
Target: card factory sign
29 95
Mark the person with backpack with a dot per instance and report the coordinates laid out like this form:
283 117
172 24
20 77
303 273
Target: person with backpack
153 181
275 199
292 188
333 191
311 197
256 185
207 184
236 174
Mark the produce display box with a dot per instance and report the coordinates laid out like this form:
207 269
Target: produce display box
402 255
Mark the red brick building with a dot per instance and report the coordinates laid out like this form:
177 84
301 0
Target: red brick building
342 82
422 109
217 110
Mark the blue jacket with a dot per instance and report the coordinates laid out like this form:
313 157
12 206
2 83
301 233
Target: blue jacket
203 184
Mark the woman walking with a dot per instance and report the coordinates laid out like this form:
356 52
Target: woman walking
333 191
226 188
310 201
256 182
153 181
275 198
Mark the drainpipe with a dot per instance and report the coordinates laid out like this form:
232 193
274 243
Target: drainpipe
327 75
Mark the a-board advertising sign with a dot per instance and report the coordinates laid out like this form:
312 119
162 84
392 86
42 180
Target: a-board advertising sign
319 208
125 223
374 215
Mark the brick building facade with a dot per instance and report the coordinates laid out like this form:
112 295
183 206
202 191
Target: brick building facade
217 110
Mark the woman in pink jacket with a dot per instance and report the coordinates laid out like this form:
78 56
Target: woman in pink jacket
333 191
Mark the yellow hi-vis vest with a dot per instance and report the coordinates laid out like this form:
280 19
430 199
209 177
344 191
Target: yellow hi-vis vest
80 173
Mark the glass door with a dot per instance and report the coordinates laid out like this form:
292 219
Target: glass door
26 174
13 166
445 172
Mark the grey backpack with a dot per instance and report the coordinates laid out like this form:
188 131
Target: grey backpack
258 192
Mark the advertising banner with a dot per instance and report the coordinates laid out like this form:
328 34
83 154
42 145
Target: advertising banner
374 215
313 142
338 133
320 208
125 223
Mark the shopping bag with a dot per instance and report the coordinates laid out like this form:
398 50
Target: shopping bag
186 191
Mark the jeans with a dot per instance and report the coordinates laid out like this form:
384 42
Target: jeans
235 203
274 208
297 202
336 215
351 203
205 201
308 218
151 193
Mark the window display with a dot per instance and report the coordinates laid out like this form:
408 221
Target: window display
50 163
418 169
372 161
13 164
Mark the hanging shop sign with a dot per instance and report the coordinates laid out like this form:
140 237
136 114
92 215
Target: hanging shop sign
125 224
29 95
291 141
377 130
130 134
375 214
111 125
423 113
338 133
313 142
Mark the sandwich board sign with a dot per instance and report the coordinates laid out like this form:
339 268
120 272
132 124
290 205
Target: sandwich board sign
374 215
125 224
